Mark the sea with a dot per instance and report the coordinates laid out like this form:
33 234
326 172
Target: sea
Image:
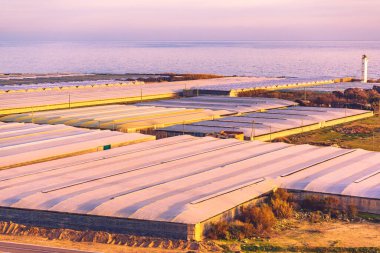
304 59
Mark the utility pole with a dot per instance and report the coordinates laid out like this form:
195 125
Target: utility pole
270 133
253 131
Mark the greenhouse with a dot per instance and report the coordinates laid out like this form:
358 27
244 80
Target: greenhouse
20 100
232 104
182 184
124 118
30 143
271 124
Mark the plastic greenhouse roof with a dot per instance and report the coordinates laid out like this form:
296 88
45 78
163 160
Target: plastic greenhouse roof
27 143
185 179
267 122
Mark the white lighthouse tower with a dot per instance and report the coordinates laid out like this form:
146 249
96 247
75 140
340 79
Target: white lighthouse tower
364 69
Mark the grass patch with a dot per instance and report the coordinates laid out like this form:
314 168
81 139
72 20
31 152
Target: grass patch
370 217
336 135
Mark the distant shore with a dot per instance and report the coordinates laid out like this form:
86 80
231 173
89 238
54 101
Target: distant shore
27 78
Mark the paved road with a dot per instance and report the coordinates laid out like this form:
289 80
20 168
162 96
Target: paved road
10 247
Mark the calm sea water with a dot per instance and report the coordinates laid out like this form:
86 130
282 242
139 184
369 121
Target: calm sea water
264 58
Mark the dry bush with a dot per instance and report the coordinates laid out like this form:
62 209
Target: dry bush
262 218
282 209
239 230
217 230
236 230
281 194
316 217
280 204
328 205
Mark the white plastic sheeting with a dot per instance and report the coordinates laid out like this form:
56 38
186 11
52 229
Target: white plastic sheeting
26 143
52 97
356 174
271 121
126 118
231 104
184 179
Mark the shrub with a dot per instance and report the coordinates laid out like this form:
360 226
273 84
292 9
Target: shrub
217 230
281 194
239 230
262 218
281 208
236 230
316 217
356 93
326 205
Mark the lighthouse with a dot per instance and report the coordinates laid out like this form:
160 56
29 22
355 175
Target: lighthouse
364 69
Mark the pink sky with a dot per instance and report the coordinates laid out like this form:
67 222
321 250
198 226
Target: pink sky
190 19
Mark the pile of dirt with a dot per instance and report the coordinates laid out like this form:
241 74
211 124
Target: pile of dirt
10 228
353 130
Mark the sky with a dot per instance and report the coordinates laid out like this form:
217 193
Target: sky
189 20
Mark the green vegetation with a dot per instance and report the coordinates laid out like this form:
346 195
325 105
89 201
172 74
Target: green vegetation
370 217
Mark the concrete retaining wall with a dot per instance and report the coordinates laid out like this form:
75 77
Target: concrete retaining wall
97 223
136 227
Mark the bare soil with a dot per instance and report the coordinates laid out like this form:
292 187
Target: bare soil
288 233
